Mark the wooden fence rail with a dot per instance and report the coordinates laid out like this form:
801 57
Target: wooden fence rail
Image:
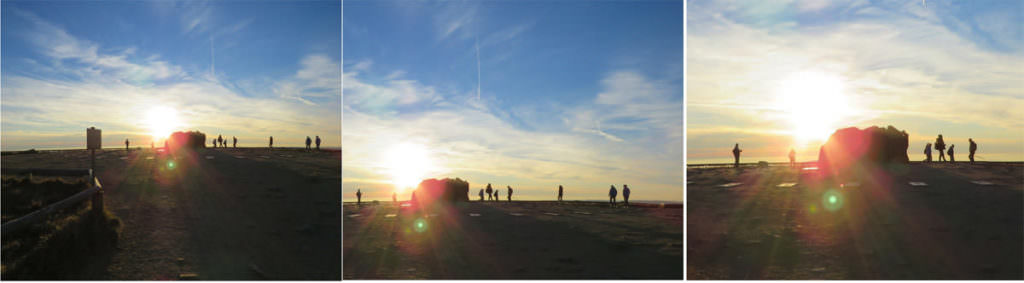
95 191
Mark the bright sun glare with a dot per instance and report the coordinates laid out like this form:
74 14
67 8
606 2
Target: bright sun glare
408 164
815 102
161 122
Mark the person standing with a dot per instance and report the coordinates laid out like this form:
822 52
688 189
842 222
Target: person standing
308 142
940 146
792 157
625 194
928 152
125 144
509 193
736 154
317 142
559 192
220 140
271 142
950 152
489 191
611 195
359 196
972 148
481 194
234 142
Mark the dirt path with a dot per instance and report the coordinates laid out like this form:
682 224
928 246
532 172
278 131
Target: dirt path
221 214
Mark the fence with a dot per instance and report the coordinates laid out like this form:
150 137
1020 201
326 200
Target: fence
95 192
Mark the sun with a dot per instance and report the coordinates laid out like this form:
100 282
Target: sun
408 164
161 121
815 104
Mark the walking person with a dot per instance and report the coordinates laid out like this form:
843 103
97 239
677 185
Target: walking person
489 191
625 194
481 194
950 152
559 193
940 146
509 193
317 142
214 143
359 196
125 144
234 142
928 152
220 140
972 148
792 157
611 195
736 154
308 142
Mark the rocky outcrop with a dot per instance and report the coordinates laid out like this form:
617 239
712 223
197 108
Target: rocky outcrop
442 191
853 150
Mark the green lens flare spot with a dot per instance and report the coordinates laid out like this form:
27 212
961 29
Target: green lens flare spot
170 164
420 225
832 200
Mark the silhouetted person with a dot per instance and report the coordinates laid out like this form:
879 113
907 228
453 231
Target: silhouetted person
972 148
559 192
625 194
611 195
359 196
224 143
497 195
271 142
125 144
736 154
950 152
928 152
509 193
793 157
308 141
489 191
317 142
481 194
940 146
394 197
234 142
220 140
214 143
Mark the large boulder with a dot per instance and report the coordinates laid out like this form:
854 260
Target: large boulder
852 150
191 140
431 191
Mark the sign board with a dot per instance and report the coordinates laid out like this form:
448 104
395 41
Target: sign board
93 140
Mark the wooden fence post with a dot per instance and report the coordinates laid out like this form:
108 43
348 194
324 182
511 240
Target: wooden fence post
97 198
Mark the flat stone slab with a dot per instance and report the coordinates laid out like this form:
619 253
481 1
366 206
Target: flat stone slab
516 214
786 185
149 158
583 212
809 169
474 214
982 183
551 213
264 156
918 184
353 215
390 215
729 185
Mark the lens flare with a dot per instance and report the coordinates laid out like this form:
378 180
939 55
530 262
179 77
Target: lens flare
832 200
170 164
420 225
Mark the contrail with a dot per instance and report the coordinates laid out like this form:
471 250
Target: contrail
477 44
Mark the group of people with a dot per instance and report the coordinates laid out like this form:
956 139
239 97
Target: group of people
308 141
224 143
612 193
940 145
493 194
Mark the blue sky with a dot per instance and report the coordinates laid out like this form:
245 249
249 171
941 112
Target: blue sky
927 67
584 94
245 68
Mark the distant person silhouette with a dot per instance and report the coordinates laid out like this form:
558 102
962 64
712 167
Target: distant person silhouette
509 193
225 143
271 142
559 192
125 144
481 194
214 143
611 195
940 146
489 191
317 142
308 141
497 195
736 154
394 197
972 148
220 140
792 157
950 152
359 196
234 142
625 194
928 152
